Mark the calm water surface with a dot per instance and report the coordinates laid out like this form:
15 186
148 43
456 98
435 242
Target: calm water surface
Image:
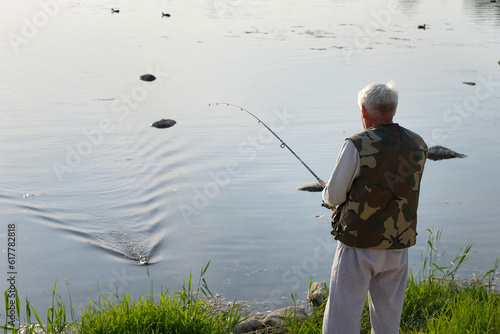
92 189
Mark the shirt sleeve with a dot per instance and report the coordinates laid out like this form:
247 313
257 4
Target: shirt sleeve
344 173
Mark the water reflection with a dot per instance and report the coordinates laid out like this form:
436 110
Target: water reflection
485 13
122 201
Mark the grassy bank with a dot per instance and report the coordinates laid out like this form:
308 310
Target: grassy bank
186 311
430 307
437 303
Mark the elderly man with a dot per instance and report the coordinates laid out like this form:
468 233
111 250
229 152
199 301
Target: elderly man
375 185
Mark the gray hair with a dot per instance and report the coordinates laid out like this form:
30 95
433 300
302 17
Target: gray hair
379 99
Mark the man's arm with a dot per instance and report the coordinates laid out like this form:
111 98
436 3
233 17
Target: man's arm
346 169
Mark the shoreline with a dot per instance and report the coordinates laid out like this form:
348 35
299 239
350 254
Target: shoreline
428 301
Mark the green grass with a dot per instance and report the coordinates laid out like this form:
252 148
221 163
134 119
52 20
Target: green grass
450 307
182 312
431 306
434 303
177 313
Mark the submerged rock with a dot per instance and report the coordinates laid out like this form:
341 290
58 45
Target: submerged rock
163 123
440 153
312 187
147 77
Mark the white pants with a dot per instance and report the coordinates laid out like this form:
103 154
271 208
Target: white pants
356 273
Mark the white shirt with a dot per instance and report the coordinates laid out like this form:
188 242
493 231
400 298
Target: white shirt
345 171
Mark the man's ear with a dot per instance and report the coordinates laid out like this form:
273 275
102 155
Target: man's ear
364 112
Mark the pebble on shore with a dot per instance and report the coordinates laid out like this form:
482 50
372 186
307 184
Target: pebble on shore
315 297
272 319
317 294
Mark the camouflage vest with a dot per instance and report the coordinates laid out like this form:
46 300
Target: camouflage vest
381 206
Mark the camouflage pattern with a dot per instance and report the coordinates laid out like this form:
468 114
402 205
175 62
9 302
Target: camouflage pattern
381 207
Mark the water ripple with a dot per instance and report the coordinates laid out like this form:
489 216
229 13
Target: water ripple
125 214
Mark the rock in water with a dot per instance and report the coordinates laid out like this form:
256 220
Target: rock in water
164 123
147 77
440 153
312 187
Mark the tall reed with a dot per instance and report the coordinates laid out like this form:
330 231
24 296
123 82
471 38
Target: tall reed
56 320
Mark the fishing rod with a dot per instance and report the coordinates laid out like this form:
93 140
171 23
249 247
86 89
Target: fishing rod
283 144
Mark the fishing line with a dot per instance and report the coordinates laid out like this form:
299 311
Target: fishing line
282 145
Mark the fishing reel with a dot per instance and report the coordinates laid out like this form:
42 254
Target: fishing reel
336 226
328 206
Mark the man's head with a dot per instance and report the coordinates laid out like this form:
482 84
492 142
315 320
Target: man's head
378 103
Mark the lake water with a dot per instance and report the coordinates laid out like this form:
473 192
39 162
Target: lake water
91 188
